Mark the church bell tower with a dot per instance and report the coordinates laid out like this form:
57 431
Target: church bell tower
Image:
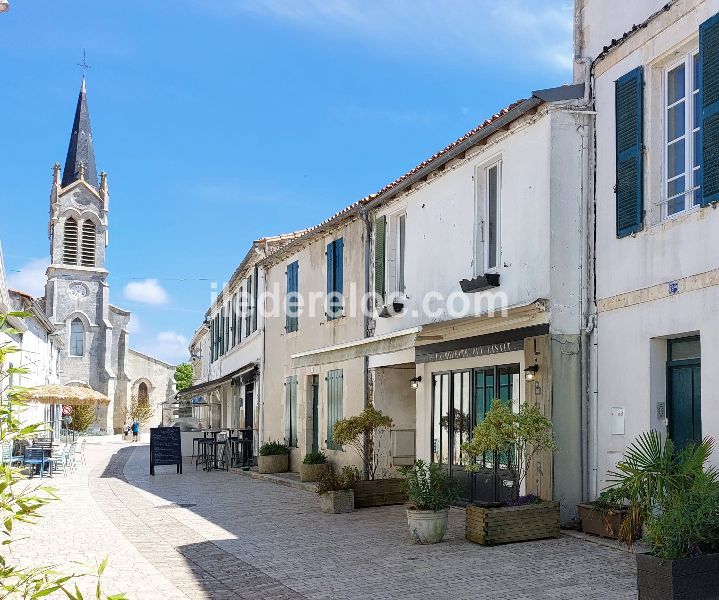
76 292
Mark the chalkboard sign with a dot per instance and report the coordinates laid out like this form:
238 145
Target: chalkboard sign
165 447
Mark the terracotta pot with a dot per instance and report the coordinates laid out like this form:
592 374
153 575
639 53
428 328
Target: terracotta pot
337 502
427 526
313 472
596 521
274 463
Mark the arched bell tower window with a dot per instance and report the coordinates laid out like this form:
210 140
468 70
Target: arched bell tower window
69 242
77 338
88 244
143 395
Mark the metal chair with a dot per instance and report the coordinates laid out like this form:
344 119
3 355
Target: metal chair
7 457
35 456
80 452
62 459
72 457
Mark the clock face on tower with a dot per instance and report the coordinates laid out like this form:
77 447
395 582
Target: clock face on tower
77 291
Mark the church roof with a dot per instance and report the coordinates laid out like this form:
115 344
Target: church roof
80 150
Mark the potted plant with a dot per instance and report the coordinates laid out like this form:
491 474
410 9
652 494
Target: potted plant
431 491
517 437
314 466
604 516
274 458
335 491
364 433
676 498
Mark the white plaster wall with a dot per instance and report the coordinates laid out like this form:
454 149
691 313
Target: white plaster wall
604 20
632 367
441 218
314 332
631 341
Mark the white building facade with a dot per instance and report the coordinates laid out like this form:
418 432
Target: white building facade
656 284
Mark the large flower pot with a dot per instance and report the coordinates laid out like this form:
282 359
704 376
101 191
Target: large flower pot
313 472
336 502
505 524
378 492
274 463
695 578
427 526
600 522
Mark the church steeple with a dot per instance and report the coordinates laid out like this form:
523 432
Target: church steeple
80 161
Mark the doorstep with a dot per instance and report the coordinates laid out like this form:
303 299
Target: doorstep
636 548
287 479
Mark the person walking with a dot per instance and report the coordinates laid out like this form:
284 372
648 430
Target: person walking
135 430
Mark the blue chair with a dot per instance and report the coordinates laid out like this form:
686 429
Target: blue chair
35 456
6 456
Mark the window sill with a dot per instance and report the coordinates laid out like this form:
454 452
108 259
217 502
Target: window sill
670 221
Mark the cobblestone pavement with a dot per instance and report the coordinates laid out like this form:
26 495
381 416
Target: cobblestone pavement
220 535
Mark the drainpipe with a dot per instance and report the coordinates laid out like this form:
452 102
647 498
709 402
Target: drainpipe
366 314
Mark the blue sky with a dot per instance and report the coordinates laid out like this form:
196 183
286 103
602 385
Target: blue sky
221 121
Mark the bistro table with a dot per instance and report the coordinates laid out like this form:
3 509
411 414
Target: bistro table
211 461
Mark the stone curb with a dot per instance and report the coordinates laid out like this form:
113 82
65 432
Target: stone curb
276 479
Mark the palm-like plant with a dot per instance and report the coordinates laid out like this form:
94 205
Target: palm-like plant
653 469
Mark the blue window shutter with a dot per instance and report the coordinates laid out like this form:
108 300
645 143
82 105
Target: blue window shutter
330 267
629 155
709 89
339 260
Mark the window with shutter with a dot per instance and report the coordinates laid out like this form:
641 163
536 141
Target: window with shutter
709 94
335 260
629 160
248 314
334 405
291 411
255 291
292 298
379 259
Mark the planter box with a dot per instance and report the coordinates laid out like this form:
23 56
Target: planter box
378 492
506 524
604 525
313 472
275 463
427 526
337 502
694 578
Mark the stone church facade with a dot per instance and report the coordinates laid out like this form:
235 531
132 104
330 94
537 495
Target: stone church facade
77 294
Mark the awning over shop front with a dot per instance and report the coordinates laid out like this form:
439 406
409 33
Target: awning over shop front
244 374
381 344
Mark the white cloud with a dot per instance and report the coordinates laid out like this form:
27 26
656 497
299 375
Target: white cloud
30 277
513 32
169 346
134 326
148 291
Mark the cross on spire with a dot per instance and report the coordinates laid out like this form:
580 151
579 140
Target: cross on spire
83 65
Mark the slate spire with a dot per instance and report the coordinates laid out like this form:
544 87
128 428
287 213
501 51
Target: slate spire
80 161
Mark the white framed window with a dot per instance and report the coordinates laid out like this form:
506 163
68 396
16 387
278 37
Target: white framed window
682 135
491 224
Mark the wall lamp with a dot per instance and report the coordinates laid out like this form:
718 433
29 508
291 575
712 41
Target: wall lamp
530 373
414 382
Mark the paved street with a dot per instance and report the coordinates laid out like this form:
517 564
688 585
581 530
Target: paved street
220 535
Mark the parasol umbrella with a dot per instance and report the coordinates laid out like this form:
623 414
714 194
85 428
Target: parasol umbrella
72 395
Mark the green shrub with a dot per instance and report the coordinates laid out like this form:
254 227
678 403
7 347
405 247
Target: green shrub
515 436
429 486
364 433
315 458
688 523
273 448
653 474
334 482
